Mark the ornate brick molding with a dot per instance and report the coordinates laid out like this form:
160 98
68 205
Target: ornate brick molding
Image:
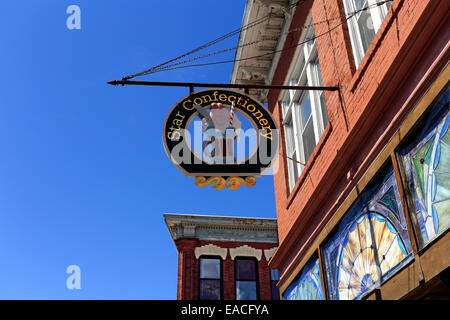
211 250
245 251
268 253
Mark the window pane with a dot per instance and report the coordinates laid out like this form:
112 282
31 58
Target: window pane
308 285
426 165
310 44
309 140
246 290
284 107
294 170
388 5
275 291
305 108
319 72
324 109
209 268
292 154
290 142
359 4
292 92
274 274
274 277
296 173
209 289
245 269
366 29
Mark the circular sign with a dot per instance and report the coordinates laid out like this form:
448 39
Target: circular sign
221 113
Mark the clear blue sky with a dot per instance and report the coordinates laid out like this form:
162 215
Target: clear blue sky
84 178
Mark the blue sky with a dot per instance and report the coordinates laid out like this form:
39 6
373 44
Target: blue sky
84 178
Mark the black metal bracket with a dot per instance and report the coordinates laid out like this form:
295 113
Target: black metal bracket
192 85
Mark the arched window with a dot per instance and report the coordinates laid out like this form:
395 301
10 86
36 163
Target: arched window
370 244
362 259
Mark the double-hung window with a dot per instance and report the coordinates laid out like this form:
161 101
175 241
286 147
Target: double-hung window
274 277
363 23
210 278
246 274
304 112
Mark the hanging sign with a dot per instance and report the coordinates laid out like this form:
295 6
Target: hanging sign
221 137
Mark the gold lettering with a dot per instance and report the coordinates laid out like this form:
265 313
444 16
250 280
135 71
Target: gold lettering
253 108
268 135
263 122
258 113
177 122
179 115
174 135
229 100
198 99
184 105
204 98
223 97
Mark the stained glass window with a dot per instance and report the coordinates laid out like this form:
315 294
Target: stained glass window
370 244
425 162
307 286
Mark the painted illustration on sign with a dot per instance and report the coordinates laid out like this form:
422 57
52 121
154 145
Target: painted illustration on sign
222 127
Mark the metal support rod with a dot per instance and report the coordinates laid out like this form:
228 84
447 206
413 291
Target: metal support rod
219 85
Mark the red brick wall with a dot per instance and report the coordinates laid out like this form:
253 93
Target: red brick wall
188 269
408 52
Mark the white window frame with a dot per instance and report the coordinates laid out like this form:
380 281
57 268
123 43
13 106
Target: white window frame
377 14
304 72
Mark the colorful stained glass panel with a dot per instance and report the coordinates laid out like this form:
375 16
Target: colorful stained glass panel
308 285
370 244
425 163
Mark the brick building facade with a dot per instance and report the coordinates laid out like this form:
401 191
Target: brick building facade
362 181
224 258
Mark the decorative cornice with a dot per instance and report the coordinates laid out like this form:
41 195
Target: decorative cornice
270 34
219 228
